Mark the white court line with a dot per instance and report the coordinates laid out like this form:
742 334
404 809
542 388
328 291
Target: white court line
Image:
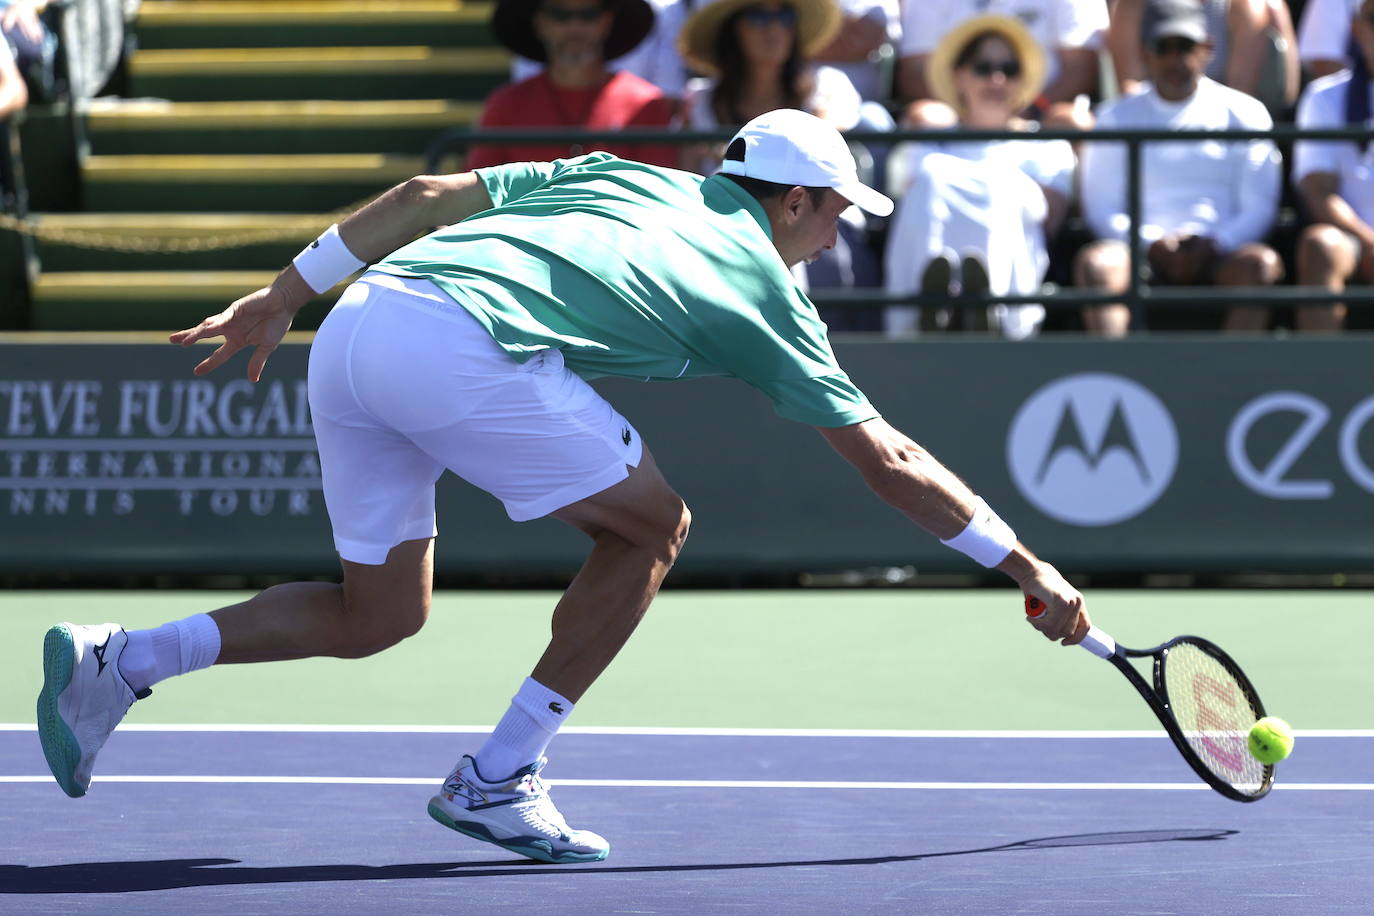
720 783
688 732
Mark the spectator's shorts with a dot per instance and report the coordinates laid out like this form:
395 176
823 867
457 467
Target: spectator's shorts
405 383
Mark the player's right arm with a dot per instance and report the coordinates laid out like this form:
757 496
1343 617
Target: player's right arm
913 481
412 208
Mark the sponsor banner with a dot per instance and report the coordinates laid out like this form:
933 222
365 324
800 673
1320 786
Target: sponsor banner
1147 455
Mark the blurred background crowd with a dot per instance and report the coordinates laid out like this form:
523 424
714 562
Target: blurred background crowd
1019 215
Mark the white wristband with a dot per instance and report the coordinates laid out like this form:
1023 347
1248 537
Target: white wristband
986 538
326 261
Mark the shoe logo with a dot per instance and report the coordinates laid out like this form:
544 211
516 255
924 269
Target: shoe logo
99 653
556 708
456 789
625 435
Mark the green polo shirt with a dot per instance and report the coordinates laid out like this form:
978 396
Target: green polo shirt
637 271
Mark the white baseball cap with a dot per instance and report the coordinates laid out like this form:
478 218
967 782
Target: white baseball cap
792 147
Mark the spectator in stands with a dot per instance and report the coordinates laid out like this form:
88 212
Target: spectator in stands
94 37
758 54
574 38
14 94
1324 40
1336 182
987 207
866 27
656 58
31 44
1245 34
1070 31
1206 205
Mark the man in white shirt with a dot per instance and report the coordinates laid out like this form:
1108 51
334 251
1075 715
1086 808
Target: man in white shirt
1070 31
1336 183
1205 205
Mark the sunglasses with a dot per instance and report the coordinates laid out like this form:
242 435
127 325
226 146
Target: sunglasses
1011 69
1166 46
568 14
760 18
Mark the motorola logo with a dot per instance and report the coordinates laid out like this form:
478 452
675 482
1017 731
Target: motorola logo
1092 449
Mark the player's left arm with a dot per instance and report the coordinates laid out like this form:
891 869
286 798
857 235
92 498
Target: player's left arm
262 318
913 481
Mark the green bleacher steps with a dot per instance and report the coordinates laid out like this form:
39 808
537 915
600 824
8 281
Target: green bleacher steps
246 116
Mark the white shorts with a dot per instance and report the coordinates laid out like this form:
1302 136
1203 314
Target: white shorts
405 383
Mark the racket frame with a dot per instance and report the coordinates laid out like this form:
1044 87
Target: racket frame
1157 696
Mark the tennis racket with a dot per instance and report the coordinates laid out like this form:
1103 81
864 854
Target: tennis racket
1203 700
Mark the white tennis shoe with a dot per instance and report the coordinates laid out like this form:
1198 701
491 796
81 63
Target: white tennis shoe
83 698
516 814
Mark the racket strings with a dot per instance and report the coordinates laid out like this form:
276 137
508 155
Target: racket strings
1215 714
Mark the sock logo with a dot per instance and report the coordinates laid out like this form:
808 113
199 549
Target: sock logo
556 708
99 653
625 435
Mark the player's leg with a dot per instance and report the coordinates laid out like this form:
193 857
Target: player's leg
379 488
544 442
637 527
1327 257
1105 265
1250 265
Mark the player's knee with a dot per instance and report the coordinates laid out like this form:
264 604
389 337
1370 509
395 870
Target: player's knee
678 530
371 633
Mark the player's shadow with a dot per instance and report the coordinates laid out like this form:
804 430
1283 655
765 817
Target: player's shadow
166 874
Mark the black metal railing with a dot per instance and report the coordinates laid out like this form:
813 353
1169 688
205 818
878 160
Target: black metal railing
1137 295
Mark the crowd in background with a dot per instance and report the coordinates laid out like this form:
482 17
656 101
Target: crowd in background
1011 217
1004 217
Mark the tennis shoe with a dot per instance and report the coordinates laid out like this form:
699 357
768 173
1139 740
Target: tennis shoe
516 814
83 698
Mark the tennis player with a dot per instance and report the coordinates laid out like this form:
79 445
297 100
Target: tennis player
468 350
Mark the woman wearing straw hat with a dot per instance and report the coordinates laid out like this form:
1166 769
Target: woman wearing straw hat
756 54
758 57
977 214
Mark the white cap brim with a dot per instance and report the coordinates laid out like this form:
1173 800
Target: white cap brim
865 198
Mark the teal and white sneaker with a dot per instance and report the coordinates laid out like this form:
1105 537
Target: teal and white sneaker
516 814
83 698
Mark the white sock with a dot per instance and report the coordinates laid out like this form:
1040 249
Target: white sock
524 732
171 649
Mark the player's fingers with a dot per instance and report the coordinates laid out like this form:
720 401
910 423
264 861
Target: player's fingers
218 358
210 327
1080 630
259 360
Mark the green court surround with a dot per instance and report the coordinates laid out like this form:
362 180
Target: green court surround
898 659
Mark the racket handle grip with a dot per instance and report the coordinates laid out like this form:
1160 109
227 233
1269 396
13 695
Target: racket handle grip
1096 641
1099 643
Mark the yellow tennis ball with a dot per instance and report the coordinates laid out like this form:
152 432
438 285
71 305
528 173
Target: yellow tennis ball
1271 739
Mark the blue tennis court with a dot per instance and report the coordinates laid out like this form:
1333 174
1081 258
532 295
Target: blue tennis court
302 819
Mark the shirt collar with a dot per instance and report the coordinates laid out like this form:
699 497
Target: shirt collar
724 196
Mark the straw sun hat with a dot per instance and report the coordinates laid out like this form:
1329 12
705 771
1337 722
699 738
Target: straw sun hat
940 67
817 23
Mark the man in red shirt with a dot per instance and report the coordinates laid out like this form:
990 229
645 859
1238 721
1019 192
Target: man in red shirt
574 38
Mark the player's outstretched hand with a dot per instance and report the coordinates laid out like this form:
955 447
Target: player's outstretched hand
1065 618
260 320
